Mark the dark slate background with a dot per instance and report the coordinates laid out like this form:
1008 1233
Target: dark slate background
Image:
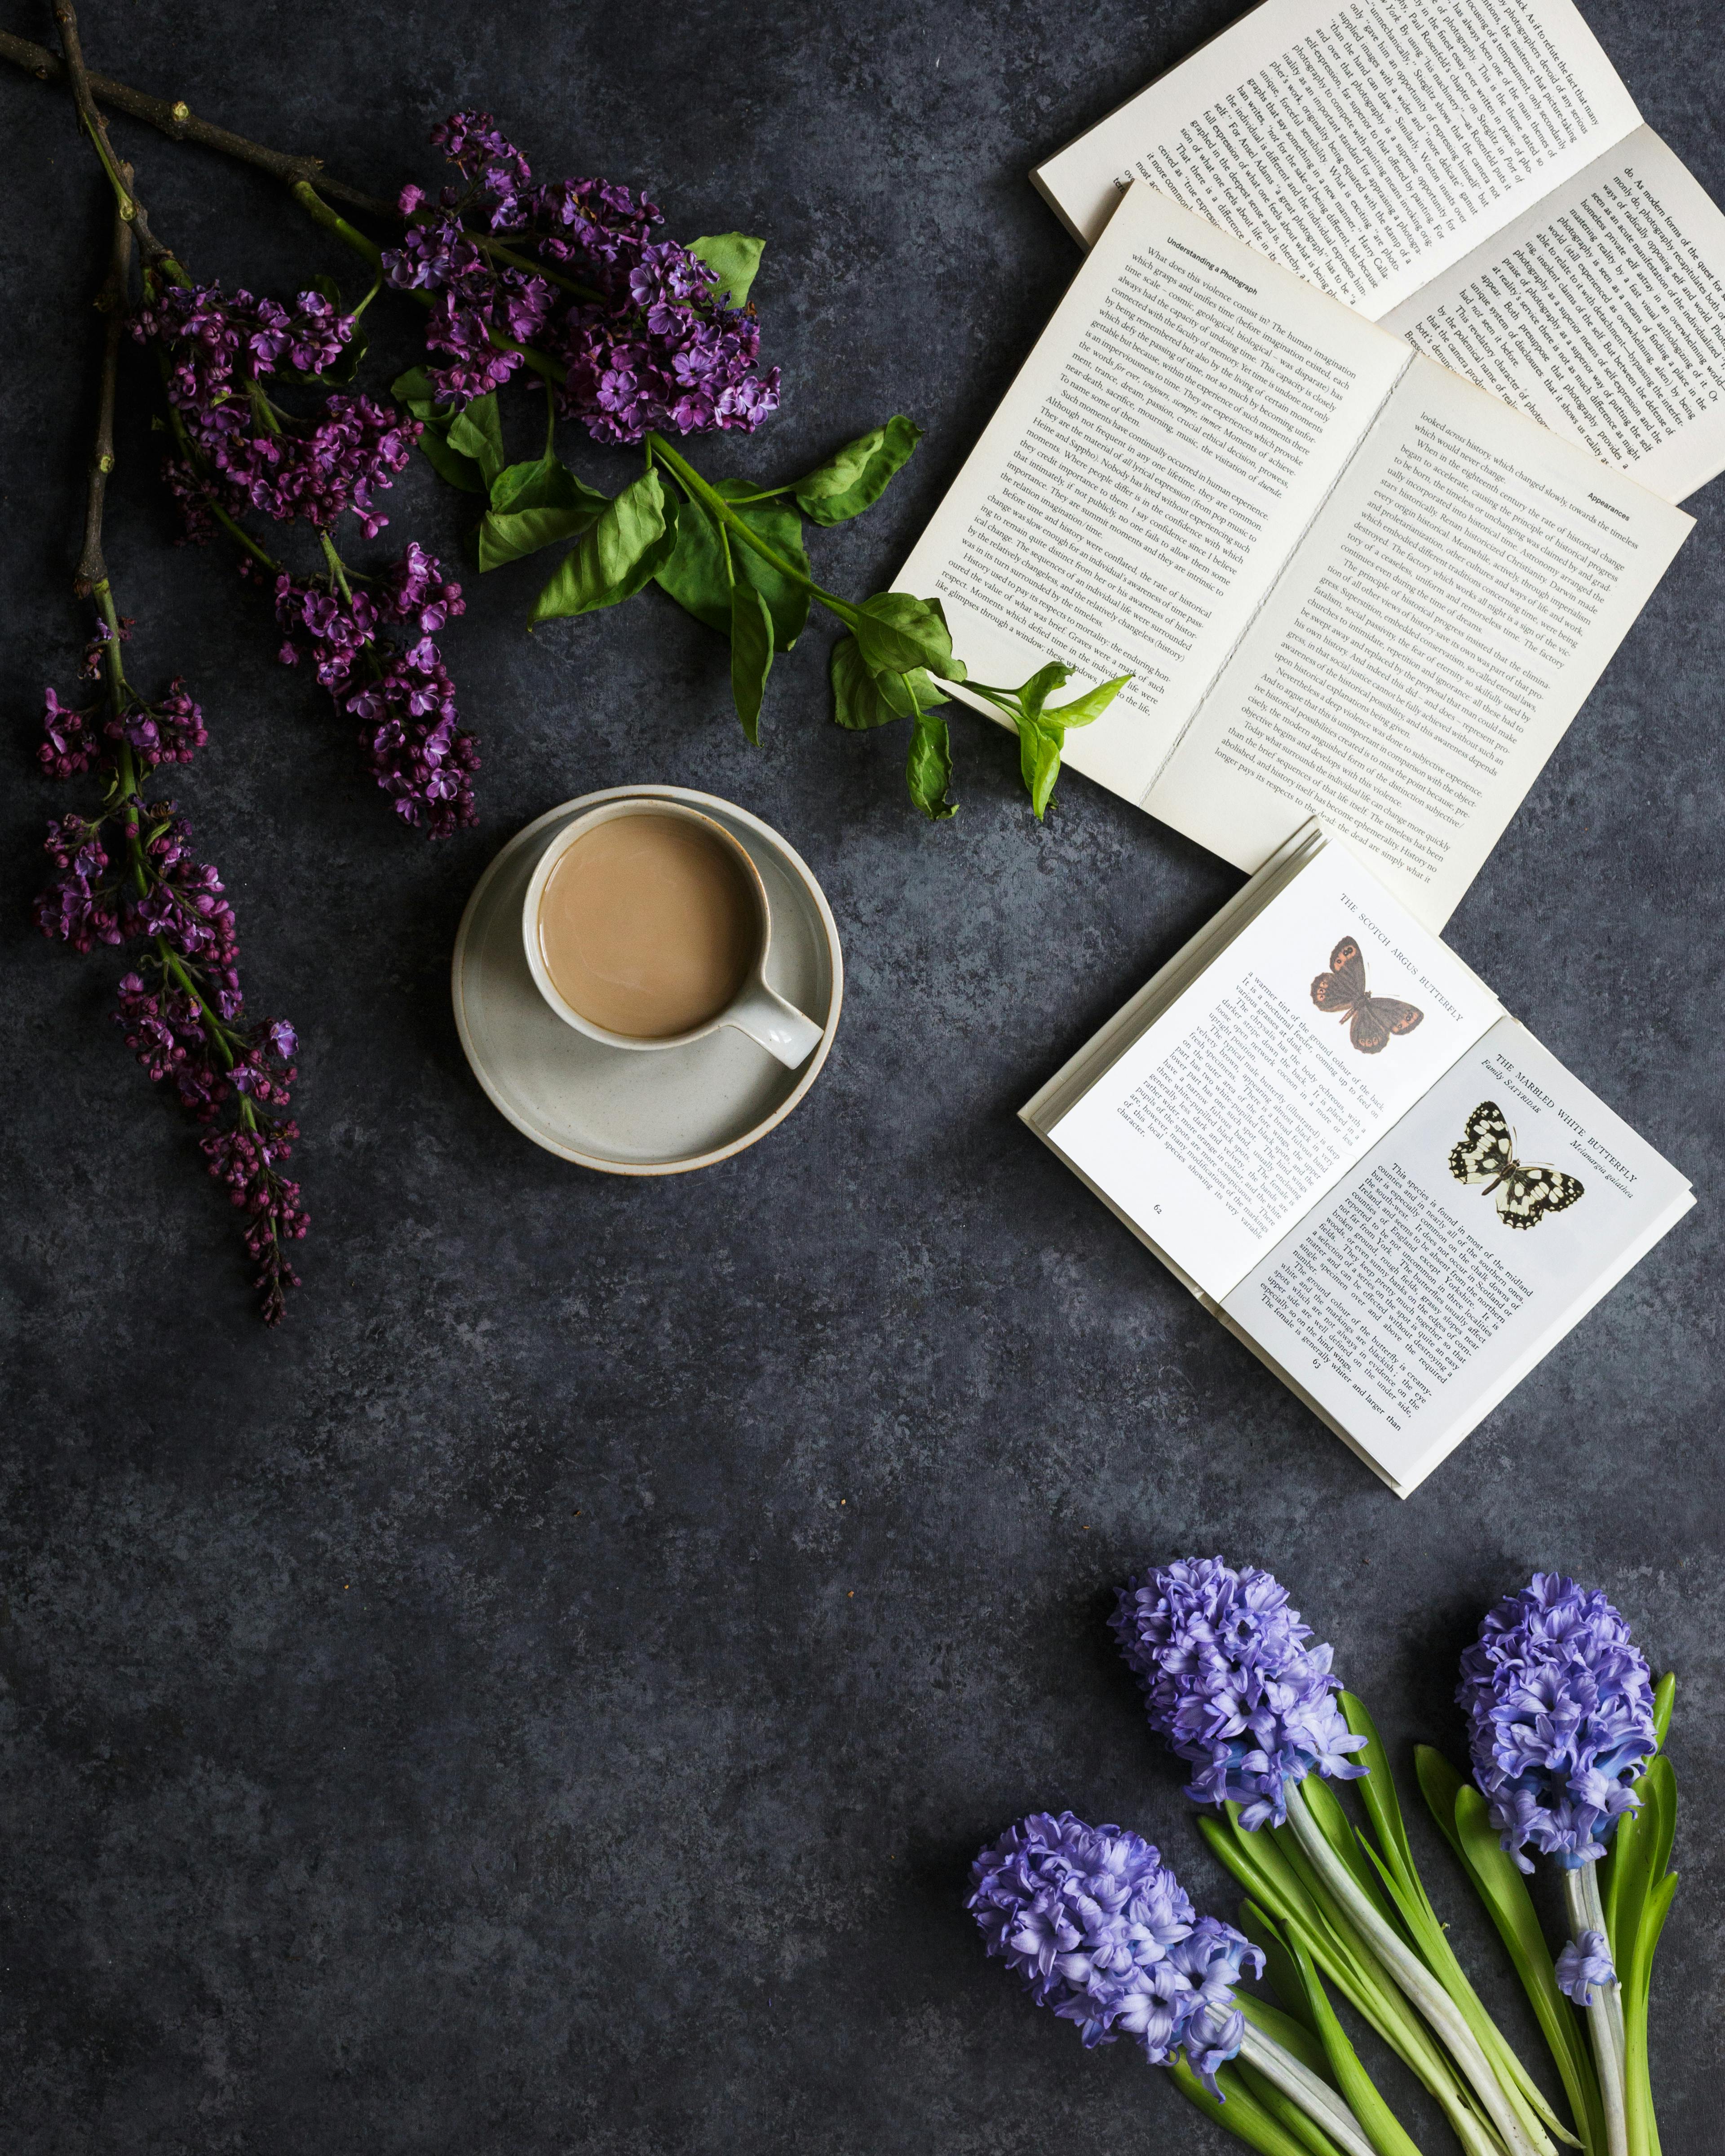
545 1697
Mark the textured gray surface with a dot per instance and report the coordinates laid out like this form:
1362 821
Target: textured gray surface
546 1696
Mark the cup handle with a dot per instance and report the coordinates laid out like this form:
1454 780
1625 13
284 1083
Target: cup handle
780 1027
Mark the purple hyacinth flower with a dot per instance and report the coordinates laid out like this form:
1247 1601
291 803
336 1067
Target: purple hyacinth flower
1559 1702
1100 1930
1230 1682
1584 1965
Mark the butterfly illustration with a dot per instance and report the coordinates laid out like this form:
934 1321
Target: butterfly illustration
1487 1154
1342 991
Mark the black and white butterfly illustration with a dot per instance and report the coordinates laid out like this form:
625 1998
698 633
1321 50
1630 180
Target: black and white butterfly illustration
1372 1019
1487 1154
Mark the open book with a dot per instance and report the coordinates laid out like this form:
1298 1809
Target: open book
1332 1131
1473 174
1344 581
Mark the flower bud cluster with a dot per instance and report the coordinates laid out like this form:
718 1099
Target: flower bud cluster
1100 1930
403 698
648 343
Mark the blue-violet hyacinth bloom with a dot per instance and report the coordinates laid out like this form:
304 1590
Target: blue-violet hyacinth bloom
1099 1928
1583 1963
1559 1703
1230 1682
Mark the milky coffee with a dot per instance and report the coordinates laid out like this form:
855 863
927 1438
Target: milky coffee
649 925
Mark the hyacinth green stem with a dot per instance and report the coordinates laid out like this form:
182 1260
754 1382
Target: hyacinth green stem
1603 2009
1295 1899
1248 2120
1414 1978
1313 2096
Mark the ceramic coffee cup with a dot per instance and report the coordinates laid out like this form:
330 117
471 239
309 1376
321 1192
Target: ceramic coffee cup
781 1030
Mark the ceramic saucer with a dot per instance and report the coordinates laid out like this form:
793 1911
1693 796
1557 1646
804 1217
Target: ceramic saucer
623 1111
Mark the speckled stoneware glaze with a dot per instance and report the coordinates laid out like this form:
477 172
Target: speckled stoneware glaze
605 1107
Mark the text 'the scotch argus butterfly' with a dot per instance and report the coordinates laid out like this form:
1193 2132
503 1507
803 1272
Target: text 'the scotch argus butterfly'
1343 993
1487 1154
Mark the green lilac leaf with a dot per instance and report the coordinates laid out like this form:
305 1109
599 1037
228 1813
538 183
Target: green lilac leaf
928 769
1090 705
853 479
624 548
476 431
1041 686
904 695
1039 763
857 701
414 390
518 532
448 463
750 655
694 575
545 482
898 633
734 257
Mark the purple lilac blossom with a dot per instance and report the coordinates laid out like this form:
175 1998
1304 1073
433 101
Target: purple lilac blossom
1099 1928
1229 1682
1559 1702
221 349
647 344
403 698
1584 1965
180 1006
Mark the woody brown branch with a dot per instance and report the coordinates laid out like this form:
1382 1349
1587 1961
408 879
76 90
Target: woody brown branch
92 563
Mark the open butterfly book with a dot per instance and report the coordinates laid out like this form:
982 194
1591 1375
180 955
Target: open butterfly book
1343 580
1333 1133
1474 175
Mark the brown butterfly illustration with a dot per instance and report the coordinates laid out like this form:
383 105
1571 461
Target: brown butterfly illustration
1343 993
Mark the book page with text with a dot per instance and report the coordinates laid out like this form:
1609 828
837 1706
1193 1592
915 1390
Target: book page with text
1439 627
1601 314
1367 147
1456 1253
1236 1110
1148 474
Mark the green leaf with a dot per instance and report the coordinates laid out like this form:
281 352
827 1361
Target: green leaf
853 479
533 505
476 431
1439 1785
1283 1978
620 551
733 257
545 482
1238 2110
1294 2035
750 655
928 769
1502 1888
414 390
1297 2122
1090 705
695 573
1039 763
458 470
1378 2122
860 700
898 633
1041 686
1664 1693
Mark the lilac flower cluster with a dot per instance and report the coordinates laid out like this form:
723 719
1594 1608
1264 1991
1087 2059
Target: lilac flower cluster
403 696
1099 1928
219 350
1229 1682
181 1007
1559 1702
647 341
